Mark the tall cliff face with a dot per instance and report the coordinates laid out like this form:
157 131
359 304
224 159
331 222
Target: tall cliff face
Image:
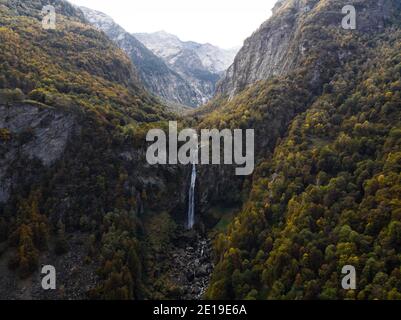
45 133
281 43
157 77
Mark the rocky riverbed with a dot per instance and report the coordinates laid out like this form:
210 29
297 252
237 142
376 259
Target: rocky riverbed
193 267
182 269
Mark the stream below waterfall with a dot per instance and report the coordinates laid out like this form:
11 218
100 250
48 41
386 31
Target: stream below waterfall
191 266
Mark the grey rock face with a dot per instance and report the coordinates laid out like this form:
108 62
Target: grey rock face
266 53
189 66
36 133
279 45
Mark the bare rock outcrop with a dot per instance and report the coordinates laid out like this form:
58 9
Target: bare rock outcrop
35 133
281 43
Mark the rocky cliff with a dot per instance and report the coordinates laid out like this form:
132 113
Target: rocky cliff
279 45
33 134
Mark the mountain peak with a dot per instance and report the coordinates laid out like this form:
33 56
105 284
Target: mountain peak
168 46
159 78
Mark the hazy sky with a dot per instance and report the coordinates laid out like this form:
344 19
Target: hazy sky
226 23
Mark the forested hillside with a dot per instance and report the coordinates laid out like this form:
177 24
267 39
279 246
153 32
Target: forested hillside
326 192
74 179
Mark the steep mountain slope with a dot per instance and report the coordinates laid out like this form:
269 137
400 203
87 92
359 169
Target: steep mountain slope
200 64
279 45
74 180
157 77
325 194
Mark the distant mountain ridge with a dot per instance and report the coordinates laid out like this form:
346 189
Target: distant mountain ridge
155 74
169 47
201 65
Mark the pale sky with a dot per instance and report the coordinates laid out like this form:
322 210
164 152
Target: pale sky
225 23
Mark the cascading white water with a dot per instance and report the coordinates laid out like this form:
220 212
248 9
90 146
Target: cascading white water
191 199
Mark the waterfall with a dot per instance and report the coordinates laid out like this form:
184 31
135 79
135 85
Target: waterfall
191 199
